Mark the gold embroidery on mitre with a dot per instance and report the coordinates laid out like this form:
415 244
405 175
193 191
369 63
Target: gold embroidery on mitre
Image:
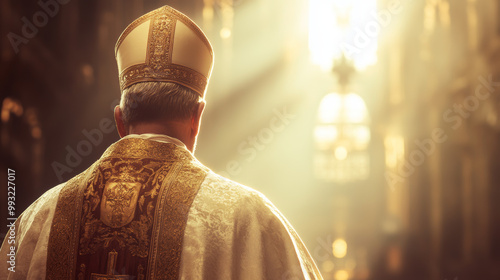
158 65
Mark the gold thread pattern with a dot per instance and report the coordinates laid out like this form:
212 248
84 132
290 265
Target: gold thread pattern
161 35
129 209
154 238
159 66
173 73
61 257
165 9
176 202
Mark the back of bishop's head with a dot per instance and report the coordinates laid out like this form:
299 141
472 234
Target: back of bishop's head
164 45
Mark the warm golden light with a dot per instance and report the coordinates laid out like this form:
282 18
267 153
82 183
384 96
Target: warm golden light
327 266
339 248
330 108
325 135
342 108
348 110
225 33
339 27
394 150
342 136
341 153
356 111
341 275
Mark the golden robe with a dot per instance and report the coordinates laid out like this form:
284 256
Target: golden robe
148 209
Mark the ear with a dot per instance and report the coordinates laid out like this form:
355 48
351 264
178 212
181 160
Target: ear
196 119
120 125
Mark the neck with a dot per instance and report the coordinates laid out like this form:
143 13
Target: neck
176 129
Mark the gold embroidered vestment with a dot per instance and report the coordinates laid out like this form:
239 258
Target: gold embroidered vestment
124 217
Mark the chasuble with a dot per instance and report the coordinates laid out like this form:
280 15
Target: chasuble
147 209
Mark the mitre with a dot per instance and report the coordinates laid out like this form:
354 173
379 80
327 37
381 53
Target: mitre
164 45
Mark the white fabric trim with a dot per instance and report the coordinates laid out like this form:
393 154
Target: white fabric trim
157 137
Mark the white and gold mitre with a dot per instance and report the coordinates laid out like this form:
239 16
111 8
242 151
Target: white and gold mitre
164 45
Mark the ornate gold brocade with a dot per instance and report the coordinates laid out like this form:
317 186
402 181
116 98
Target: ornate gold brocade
158 65
62 246
133 202
169 234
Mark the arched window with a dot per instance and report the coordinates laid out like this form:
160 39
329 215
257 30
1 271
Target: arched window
342 135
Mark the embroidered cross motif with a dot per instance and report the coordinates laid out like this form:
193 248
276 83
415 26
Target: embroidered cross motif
110 270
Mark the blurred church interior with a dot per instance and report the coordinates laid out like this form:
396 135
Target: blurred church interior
373 125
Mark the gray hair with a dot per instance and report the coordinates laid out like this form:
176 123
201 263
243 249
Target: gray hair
153 101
